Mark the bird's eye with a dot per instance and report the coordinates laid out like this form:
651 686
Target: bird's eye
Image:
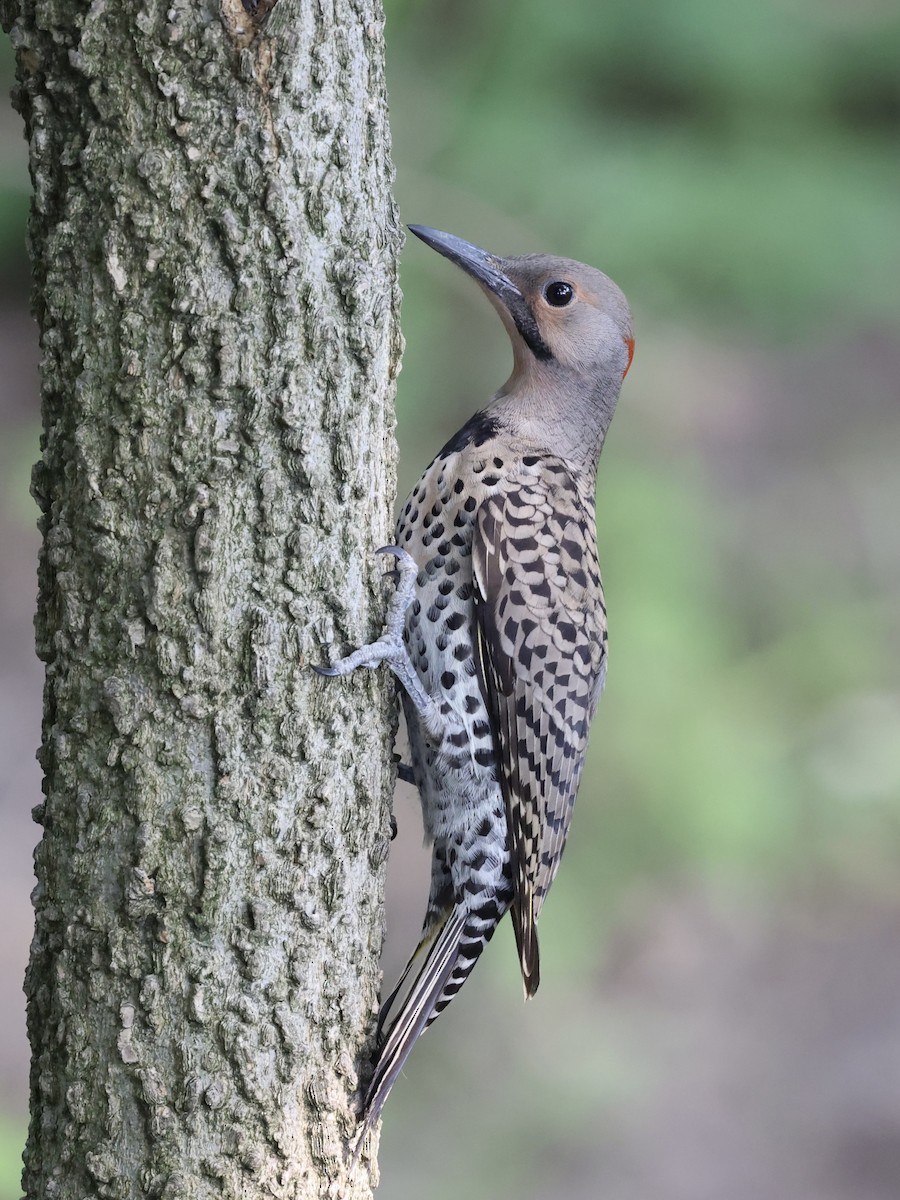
559 294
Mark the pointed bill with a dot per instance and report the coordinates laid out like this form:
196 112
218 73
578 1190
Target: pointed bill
489 270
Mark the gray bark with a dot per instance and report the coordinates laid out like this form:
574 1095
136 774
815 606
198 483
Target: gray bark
214 246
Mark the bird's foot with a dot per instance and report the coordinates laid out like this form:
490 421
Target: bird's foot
391 649
390 645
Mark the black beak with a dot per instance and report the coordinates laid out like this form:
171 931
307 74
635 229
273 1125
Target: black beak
487 269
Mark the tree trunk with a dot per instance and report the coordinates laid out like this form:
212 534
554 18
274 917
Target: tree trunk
214 246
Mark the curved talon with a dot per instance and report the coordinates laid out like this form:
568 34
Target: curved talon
398 552
330 672
409 568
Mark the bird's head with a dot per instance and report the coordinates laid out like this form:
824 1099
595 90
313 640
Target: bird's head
560 314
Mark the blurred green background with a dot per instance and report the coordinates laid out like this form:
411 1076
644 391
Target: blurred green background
720 1011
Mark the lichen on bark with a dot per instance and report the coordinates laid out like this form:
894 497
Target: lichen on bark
214 246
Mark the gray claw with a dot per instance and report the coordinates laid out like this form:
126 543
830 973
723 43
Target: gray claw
390 647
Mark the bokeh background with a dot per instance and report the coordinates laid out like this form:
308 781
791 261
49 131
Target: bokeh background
720 1011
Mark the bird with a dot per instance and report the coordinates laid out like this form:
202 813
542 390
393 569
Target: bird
497 629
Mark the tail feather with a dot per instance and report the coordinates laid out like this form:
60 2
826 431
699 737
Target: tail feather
525 927
451 947
416 1012
419 958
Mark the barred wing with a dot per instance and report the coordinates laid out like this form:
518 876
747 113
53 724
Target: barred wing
541 638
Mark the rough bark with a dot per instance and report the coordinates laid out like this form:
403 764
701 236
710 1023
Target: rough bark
214 245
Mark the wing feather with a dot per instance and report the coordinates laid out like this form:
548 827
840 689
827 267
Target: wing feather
541 641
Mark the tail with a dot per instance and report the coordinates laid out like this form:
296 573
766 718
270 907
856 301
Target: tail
525 927
450 954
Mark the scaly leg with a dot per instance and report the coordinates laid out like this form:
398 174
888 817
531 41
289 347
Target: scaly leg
390 648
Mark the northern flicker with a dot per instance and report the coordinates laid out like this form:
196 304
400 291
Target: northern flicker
497 628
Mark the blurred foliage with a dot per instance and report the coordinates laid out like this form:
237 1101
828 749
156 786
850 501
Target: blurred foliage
735 169
12 1139
14 184
736 163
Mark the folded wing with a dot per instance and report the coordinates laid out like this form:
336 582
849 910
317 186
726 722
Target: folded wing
541 638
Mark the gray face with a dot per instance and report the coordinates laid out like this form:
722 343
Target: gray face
580 316
561 312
